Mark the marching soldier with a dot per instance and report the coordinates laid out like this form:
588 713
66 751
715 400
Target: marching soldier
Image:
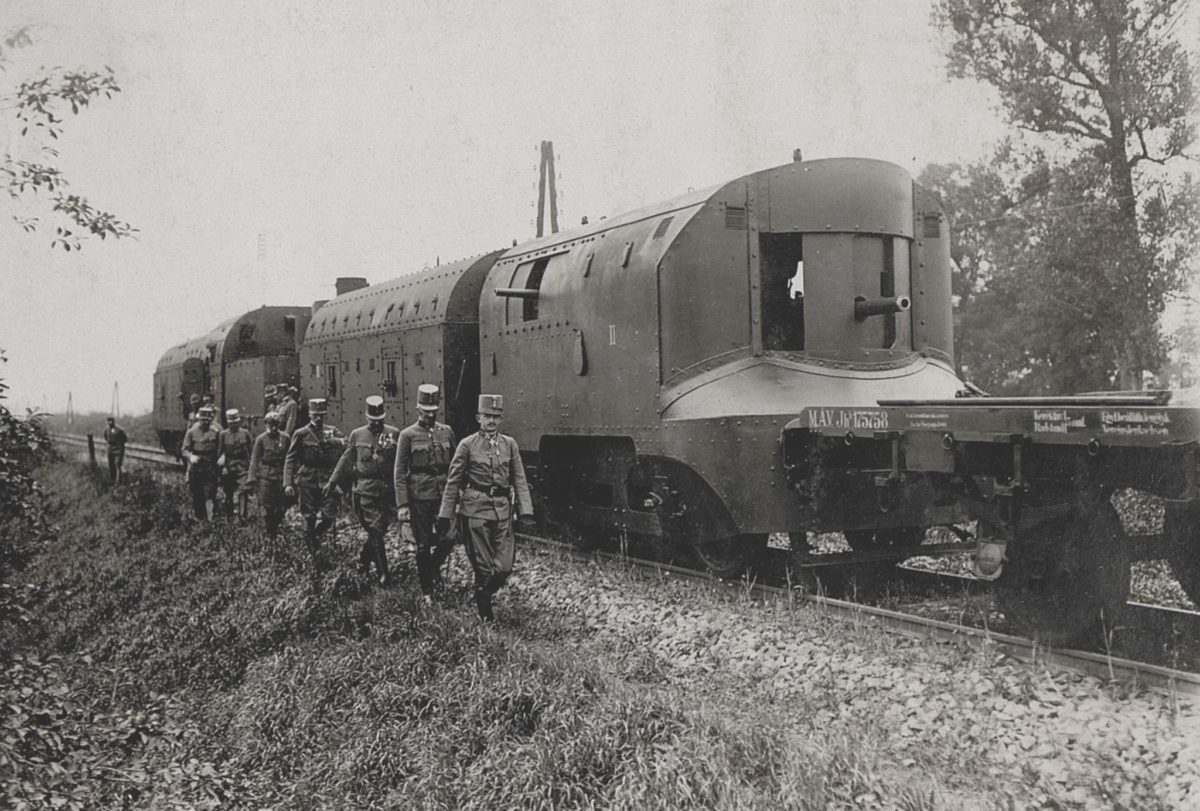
218 417
420 479
312 453
201 449
115 438
236 445
485 474
369 459
266 470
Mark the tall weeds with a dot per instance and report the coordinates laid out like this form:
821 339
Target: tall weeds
195 665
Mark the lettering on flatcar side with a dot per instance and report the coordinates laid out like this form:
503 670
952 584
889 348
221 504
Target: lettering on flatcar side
928 419
848 419
1056 421
1135 423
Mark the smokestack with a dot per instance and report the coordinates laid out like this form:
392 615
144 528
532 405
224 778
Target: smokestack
318 305
348 284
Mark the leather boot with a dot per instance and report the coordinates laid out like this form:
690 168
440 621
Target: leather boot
381 562
483 602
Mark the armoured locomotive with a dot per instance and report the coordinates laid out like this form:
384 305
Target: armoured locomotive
685 373
651 360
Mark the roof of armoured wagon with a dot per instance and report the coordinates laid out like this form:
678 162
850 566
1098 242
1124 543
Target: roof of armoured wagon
436 295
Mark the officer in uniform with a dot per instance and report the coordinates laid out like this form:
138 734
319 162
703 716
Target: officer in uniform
201 449
312 453
208 403
420 479
266 470
369 459
115 438
485 474
236 445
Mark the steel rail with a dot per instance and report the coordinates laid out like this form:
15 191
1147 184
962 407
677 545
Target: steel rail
140 453
1110 668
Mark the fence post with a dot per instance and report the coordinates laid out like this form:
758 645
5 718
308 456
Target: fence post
92 449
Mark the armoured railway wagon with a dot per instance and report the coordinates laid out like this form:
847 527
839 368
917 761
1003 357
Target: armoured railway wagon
233 364
662 370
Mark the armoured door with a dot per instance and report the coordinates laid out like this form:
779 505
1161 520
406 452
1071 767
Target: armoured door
392 358
331 379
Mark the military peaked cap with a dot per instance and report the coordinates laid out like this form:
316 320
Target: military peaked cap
317 406
429 397
375 409
491 404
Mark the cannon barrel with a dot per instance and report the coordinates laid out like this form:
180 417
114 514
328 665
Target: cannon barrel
516 292
867 307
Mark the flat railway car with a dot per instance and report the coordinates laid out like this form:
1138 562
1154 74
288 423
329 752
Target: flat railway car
1040 473
233 364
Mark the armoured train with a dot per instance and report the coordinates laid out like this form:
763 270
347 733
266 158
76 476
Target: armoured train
707 371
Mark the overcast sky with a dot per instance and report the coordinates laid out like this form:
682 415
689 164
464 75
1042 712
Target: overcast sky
264 149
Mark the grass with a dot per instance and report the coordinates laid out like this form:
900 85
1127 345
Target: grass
159 663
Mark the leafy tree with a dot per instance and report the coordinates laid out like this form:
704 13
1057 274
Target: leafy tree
1105 81
39 104
1031 241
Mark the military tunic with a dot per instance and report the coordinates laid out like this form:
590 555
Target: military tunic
205 445
236 445
420 479
266 469
369 459
485 474
311 453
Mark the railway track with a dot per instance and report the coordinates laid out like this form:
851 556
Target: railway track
1168 623
86 444
1157 628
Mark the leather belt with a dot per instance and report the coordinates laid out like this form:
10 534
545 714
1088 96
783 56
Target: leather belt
491 491
433 471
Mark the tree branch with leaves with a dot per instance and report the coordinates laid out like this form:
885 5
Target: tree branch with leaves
40 104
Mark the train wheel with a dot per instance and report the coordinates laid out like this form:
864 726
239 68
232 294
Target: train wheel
1071 579
729 558
1182 533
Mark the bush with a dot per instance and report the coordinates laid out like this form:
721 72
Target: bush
24 444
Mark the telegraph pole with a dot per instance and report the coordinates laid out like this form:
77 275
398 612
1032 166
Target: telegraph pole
70 410
546 185
116 402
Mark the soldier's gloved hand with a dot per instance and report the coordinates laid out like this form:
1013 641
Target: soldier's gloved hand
443 526
526 524
289 491
402 515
